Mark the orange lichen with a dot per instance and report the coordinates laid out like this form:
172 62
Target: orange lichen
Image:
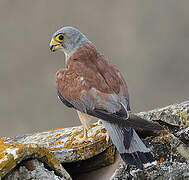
55 148
57 135
70 141
161 160
55 129
59 142
164 132
36 132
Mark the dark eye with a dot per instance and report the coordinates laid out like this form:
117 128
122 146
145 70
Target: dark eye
60 37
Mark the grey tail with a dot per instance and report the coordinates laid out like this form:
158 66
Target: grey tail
131 148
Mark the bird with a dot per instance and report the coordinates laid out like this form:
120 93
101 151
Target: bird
93 86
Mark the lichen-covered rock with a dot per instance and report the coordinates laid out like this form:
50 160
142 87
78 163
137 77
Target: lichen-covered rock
54 147
184 135
13 153
52 151
60 142
38 172
176 114
170 148
164 171
172 161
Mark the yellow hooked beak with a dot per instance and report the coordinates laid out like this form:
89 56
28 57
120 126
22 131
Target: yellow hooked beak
54 45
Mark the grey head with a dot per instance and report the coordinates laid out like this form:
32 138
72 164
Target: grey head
67 39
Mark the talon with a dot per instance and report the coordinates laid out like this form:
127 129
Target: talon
107 137
82 140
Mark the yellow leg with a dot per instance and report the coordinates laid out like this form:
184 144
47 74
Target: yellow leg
85 135
102 133
84 118
106 136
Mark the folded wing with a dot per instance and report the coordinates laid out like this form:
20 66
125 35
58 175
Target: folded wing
92 85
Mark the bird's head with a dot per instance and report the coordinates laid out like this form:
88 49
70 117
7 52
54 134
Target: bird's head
67 39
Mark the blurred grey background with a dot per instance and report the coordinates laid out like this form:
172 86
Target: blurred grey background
147 40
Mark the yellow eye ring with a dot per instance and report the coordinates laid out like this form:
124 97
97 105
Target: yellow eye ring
60 37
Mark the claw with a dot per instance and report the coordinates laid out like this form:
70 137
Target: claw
107 137
84 139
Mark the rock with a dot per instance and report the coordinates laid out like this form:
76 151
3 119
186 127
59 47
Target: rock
39 172
170 148
183 135
13 153
164 171
52 154
175 115
60 142
55 147
172 155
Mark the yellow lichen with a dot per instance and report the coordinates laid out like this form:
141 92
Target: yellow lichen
103 130
110 154
70 141
92 125
20 150
163 139
50 137
11 153
8 160
50 157
43 152
94 135
184 119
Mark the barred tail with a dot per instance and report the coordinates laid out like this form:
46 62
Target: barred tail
131 148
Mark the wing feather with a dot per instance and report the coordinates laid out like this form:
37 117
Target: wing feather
92 85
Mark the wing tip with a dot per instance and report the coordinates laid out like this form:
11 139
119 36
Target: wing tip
158 127
144 123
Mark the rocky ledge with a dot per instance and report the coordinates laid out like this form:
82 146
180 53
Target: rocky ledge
53 155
